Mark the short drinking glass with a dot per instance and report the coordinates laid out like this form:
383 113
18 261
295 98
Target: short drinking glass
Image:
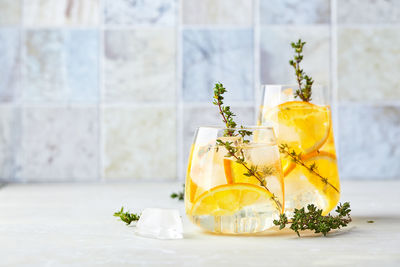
234 183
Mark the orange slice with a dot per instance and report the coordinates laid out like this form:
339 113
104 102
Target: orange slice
301 125
190 186
326 166
230 198
234 173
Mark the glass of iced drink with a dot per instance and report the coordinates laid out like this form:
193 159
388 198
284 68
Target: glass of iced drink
305 139
234 180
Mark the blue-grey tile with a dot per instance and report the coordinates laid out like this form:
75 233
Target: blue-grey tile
295 12
276 51
10 63
211 56
218 12
61 66
10 12
51 13
81 64
127 12
369 141
368 11
59 144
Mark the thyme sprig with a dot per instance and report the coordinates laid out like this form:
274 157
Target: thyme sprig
296 158
127 217
252 170
304 91
235 151
180 195
312 219
225 111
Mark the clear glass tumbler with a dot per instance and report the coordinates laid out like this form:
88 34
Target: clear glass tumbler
234 180
305 138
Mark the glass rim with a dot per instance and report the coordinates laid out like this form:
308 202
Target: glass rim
249 127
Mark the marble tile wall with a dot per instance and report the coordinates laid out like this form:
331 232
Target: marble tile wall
368 52
50 13
140 143
60 66
143 12
111 90
58 143
137 60
217 55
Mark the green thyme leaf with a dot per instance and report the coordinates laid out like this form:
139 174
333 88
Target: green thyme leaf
180 195
304 81
127 217
312 219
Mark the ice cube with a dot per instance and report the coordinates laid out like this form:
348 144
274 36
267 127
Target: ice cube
160 224
236 140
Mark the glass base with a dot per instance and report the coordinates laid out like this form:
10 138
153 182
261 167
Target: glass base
245 221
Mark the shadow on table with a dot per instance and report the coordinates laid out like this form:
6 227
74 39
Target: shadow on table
357 224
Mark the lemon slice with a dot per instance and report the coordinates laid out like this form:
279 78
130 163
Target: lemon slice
230 198
303 187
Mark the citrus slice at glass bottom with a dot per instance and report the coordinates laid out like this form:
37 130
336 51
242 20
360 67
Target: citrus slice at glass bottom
303 187
301 125
192 190
190 186
234 173
230 198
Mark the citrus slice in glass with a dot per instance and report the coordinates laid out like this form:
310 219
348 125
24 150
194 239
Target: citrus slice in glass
234 173
192 190
303 187
206 167
230 198
301 125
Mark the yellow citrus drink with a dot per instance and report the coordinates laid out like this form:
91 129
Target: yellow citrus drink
310 168
238 193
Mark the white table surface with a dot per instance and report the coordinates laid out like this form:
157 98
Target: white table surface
72 225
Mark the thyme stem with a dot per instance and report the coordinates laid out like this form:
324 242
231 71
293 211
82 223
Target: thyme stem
296 158
304 92
250 171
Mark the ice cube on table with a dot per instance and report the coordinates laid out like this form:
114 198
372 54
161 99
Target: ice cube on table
160 224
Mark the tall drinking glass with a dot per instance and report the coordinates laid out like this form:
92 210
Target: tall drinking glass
234 183
305 138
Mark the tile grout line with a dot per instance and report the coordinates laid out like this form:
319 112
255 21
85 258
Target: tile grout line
13 104
257 61
209 104
333 70
18 102
100 115
179 94
370 103
208 27
122 104
368 25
